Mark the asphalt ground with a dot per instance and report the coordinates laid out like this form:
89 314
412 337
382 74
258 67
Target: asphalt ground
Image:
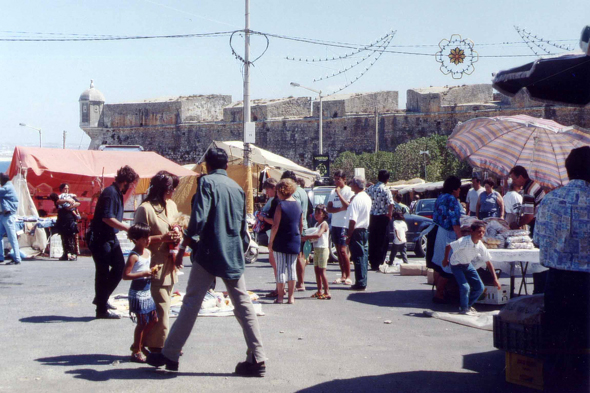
52 343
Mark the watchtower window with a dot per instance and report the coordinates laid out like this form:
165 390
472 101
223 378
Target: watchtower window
85 114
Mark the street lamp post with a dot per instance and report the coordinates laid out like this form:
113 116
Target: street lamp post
34 128
319 93
424 153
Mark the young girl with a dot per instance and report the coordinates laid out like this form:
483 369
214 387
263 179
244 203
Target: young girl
285 238
141 304
320 251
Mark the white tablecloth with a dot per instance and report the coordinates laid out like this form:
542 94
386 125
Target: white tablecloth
504 258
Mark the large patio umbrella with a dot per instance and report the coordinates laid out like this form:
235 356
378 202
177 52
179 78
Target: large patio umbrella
562 79
500 143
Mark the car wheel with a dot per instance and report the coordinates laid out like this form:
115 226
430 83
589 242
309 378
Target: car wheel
333 254
420 247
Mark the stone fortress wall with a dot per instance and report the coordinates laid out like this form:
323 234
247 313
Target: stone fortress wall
182 128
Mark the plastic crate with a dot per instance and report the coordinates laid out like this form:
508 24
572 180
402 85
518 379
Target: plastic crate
527 340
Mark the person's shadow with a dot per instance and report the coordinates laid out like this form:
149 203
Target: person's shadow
55 319
133 373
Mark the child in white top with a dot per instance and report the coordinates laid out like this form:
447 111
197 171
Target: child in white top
321 251
141 304
465 251
399 237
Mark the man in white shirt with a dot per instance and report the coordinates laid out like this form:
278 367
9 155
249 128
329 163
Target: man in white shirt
473 196
358 236
338 202
511 200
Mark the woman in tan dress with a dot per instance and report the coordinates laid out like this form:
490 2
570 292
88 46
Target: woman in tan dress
158 211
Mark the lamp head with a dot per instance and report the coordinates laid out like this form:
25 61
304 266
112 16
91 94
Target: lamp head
22 124
295 84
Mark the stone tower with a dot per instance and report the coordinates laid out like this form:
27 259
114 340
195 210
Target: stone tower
91 106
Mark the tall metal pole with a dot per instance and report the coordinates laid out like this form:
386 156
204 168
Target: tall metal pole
247 163
321 125
65 133
376 131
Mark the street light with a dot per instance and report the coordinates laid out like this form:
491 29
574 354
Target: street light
319 93
424 153
34 128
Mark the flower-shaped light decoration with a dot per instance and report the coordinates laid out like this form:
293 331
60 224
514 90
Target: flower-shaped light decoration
456 56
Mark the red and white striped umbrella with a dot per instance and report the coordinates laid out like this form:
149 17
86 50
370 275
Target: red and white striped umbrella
500 143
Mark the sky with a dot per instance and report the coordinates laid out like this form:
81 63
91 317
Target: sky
40 82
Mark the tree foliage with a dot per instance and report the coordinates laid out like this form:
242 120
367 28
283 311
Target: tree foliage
406 162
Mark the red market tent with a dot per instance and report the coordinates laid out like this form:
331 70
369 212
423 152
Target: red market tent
86 171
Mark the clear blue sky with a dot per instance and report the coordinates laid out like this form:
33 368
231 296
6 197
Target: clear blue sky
41 81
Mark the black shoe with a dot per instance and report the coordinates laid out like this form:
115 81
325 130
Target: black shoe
158 360
13 263
107 315
63 257
247 369
358 288
110 306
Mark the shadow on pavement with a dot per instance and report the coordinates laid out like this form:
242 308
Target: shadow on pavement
488 377
136 374
55 319
82 360
401 298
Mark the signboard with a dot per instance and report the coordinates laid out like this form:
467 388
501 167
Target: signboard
250 132
321 163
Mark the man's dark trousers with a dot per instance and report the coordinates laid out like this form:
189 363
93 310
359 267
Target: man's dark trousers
378 243
109 262
358 255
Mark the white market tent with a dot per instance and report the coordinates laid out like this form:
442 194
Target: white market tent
262 159
430 186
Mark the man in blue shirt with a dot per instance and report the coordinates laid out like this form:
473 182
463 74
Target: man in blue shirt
8 209
103 243
562 231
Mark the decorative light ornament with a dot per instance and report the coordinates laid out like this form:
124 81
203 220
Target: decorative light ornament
456 56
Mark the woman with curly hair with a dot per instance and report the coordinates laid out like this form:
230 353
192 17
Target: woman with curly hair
159 211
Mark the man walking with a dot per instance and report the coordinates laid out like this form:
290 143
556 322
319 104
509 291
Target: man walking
103 242
473 196
8 209
381 212
338 202
357 237
217 233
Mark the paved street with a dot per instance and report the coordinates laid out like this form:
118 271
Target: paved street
51 342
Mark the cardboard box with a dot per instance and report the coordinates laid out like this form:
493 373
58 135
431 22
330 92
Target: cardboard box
525 371
493 295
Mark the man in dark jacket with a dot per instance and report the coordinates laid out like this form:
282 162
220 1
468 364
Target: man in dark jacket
217 234
103 243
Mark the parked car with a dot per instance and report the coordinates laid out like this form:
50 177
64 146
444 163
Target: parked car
415 241
424 207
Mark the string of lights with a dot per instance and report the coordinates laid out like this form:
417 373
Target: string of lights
532 41
83 37
347 55
370 55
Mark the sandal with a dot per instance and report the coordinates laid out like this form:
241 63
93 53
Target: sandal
137 357
144 350
317 294
327 297
348 281
339 280
277 301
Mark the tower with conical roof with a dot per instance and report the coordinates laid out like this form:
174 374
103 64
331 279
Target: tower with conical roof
91 106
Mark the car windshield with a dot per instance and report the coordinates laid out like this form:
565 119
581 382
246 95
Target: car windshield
426 205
